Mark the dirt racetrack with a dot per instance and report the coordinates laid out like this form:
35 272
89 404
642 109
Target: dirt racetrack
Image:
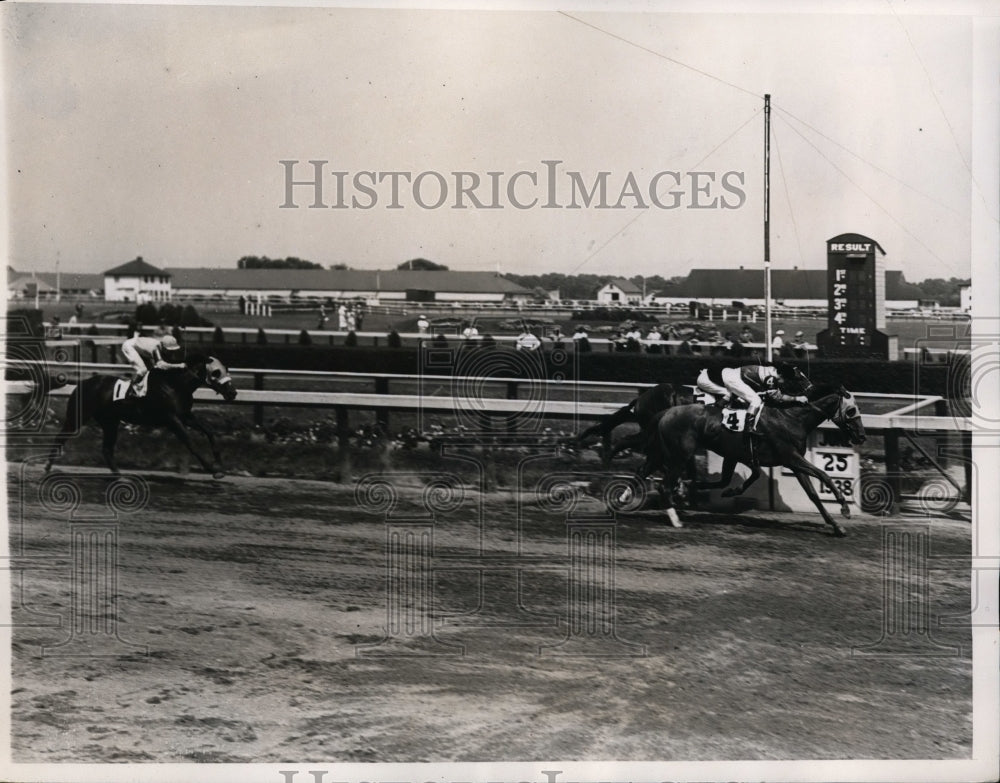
252 615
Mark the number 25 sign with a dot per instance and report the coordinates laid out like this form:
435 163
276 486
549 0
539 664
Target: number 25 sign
840 464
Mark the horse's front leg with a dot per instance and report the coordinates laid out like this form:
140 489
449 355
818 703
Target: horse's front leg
195 422
175 426
800 464
814 497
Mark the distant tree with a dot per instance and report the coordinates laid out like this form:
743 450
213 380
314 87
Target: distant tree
945 292
147 313
422 265
263 262
339 267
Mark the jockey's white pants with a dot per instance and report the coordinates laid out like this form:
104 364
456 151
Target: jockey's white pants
738 387
139 366
709 386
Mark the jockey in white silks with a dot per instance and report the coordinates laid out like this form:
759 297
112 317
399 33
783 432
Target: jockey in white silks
752 383
143 353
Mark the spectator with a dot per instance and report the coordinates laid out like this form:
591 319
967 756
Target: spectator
581 334
799 345
342 318
734 347
359 316
684 349
489 341
322 318
526 341
779 341
423 325
243 304
394 340
556 336
470 332
583 344
352 319
55 329
440 341
653 339
746 335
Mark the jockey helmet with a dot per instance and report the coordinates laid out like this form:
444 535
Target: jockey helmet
172 350
785 370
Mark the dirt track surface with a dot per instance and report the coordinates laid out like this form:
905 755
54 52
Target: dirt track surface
262 606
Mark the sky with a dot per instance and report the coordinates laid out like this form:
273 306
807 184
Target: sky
159 131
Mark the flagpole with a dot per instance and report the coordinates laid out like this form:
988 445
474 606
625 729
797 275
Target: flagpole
767 226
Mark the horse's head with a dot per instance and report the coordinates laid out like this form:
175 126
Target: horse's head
217 378
848 417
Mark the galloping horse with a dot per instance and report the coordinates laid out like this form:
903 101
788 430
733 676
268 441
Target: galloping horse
167 403
780 441
644 410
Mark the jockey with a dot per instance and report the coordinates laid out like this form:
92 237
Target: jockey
753 383
160 353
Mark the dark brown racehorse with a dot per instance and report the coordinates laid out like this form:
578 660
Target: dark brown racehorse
643 410
167 403
781 441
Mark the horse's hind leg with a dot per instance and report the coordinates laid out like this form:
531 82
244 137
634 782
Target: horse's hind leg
70 426
635 440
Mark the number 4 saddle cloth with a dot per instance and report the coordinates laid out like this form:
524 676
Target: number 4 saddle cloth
735 419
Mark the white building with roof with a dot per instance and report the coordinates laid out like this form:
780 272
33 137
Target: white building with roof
619 292
137 281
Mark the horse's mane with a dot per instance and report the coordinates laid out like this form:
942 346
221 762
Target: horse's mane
196 358
820 390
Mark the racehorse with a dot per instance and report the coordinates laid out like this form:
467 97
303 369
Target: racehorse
644 409
167 403
780 441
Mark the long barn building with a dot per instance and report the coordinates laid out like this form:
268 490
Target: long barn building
321 284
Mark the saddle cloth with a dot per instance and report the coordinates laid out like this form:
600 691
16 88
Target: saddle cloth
120 390
734 419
